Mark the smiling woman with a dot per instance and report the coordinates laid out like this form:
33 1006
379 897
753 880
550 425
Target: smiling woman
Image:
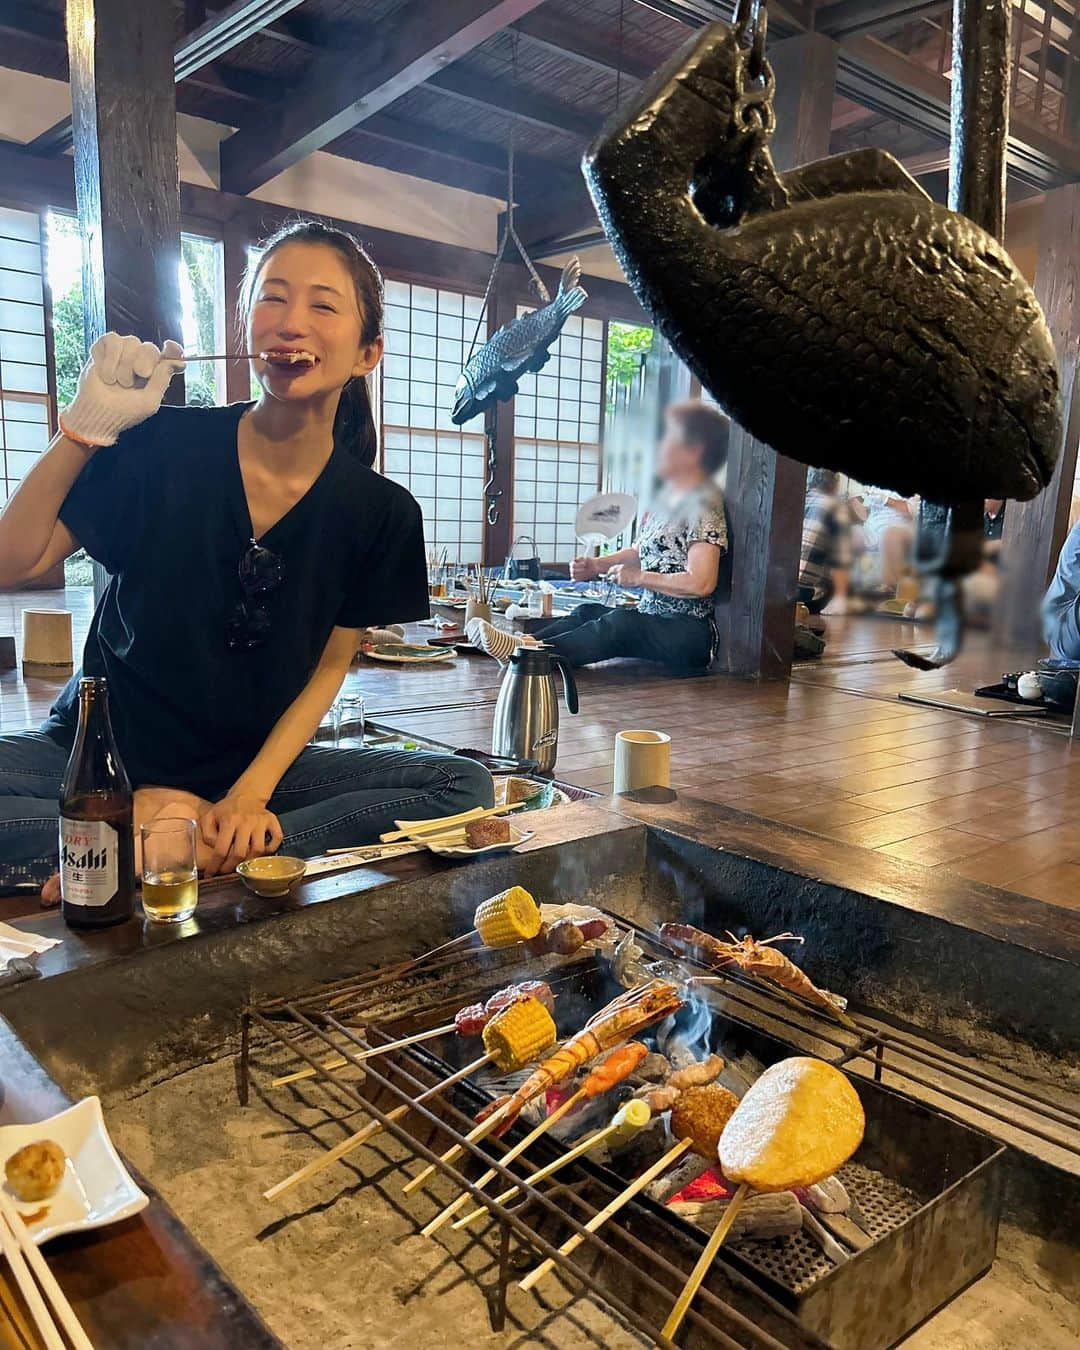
248 547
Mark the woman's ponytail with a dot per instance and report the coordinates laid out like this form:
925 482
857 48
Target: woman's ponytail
354 425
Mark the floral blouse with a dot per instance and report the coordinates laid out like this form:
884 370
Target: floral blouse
664 546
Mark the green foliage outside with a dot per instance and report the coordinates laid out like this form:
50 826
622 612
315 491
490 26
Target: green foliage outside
198 265
627 343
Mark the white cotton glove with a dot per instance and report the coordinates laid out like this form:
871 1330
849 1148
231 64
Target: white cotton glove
121 385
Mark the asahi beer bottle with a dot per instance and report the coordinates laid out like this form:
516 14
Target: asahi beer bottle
97 849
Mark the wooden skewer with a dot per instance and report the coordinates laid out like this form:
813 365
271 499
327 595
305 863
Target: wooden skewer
587 1144
599 1219
334 1062
24 1243
369 1131
508 1157
428 1035
705 1260
224 356
477 1133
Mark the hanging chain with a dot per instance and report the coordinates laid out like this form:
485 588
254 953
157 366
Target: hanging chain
754 106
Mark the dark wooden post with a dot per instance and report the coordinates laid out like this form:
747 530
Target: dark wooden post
765 491
126 175
127 182
1035 530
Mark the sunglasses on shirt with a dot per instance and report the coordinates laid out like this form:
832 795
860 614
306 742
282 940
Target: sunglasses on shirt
261 573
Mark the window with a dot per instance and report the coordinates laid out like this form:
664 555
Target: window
202 300
557 421
24 380
428 333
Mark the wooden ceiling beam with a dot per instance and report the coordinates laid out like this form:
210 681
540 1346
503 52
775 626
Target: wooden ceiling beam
504 97
531 171
851 17
216 37
565 37
343 89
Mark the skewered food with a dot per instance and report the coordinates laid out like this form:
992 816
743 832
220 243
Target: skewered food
523 790
697 1075
700 1114
566 936
518 1033
34 1171
288 358
623 1018
798 1124
487 831
512 916
760 959
472 1020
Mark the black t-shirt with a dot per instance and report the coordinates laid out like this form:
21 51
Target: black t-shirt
164 511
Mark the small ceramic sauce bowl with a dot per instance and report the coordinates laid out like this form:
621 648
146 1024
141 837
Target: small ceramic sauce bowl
273 875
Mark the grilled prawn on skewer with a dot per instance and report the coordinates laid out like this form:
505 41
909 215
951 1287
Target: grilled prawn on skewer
759 959
620 1020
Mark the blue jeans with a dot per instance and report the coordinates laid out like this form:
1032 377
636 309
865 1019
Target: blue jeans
596 633
327 799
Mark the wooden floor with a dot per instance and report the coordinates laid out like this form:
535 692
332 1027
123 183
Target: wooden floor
833 752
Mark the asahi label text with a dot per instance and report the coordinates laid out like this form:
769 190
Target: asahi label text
88 862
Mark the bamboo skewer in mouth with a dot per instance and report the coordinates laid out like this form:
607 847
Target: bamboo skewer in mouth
369 1131
451 1209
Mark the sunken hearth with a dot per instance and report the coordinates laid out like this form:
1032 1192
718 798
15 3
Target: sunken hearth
960 1129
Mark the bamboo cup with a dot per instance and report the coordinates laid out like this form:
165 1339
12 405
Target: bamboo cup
46 643
642 759
477 609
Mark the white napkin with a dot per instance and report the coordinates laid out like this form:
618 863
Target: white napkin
14 942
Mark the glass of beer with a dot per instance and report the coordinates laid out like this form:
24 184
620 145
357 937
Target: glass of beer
170 879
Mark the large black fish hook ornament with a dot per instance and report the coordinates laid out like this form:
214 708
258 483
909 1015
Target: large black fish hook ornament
835 311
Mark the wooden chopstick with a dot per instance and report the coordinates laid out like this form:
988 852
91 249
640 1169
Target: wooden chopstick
11 1221
416 829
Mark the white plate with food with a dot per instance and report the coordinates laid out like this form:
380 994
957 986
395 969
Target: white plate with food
451 848
407 653
63 1174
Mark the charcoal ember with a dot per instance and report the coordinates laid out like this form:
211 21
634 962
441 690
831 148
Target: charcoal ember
762 1216
654 1068
671 1183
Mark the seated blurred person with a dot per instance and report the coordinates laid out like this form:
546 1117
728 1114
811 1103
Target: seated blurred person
675 563
981 587
824 568
890 532
1061 606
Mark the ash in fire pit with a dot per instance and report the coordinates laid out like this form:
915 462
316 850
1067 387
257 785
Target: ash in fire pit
341 1264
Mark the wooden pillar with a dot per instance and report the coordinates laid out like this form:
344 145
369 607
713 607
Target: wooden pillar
127 182
1035 530
765 491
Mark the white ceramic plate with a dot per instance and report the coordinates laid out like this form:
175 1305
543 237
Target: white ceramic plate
96 1189
408 653
463 851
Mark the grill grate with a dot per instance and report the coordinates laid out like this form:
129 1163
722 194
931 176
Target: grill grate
798 1263
764 1280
